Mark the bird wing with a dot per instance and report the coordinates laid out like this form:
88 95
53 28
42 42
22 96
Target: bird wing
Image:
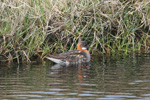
74 54
70 56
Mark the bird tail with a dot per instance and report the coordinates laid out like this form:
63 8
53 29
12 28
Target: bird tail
57 60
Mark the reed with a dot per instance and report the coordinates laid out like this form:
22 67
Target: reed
35 28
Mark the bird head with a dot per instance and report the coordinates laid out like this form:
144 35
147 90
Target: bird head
81 45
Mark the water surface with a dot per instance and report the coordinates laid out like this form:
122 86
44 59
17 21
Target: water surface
111 78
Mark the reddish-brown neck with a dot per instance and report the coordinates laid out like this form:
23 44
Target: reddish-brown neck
79 48
86 51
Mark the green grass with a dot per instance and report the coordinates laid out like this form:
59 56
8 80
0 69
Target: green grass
32 29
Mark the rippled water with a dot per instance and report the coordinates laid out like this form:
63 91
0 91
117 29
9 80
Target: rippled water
107 78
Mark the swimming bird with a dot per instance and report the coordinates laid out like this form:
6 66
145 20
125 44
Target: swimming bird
81 55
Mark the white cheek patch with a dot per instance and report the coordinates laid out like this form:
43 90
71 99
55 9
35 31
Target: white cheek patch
83 48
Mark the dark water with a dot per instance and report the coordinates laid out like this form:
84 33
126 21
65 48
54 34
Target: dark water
106 79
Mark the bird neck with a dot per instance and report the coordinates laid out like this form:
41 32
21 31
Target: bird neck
86 51
79 46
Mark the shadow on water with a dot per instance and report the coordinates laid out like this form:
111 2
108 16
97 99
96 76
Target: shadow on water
106 78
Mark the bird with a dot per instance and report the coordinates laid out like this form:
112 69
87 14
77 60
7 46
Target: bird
79 56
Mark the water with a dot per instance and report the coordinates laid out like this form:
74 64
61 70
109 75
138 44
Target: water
106 79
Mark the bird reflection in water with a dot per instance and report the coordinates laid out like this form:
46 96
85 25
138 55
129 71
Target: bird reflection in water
77 72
